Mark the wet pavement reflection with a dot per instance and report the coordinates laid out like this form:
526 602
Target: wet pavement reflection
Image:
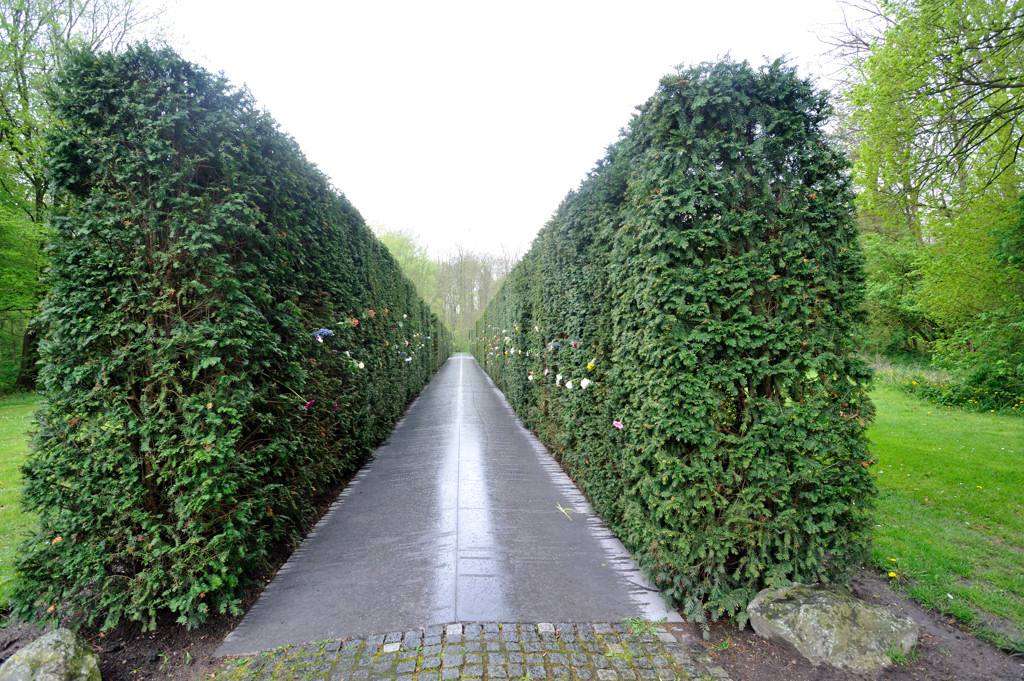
456 519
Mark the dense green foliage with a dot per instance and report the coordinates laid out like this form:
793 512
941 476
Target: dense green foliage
224 340
458 286
416 263
939 176
21 261
35 38
679 335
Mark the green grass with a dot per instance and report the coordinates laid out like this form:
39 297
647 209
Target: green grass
950 511
15 420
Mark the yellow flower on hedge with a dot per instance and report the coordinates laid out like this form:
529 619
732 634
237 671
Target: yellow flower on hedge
892 574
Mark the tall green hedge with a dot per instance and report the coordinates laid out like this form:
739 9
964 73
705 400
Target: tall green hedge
679 335
225 340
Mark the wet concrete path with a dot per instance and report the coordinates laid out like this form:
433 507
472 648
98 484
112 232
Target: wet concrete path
456 519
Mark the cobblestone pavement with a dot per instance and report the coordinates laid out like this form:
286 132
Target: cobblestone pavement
633 650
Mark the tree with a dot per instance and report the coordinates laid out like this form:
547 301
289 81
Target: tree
35 38
942 75
988 348
457 286
467 283
938 166
415 262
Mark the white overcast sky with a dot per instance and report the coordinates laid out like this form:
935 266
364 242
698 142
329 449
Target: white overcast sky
468 122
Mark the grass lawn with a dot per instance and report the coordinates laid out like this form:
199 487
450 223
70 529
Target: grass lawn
15 413
950 511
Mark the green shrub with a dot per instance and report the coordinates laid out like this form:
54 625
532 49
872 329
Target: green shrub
705 281
954 392
224 340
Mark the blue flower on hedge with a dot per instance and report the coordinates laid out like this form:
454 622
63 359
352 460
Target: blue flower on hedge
319 335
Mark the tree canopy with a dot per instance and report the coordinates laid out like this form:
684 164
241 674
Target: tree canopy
457 286
935 101
36 36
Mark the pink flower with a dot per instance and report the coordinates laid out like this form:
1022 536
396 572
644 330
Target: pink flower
309 404
617 424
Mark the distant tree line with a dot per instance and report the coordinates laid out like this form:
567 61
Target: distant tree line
457 286
36 37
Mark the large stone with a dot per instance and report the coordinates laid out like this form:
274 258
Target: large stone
61 655
829 625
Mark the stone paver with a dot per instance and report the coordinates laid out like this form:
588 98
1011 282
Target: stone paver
574 652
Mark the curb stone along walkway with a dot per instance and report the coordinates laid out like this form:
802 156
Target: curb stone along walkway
584 652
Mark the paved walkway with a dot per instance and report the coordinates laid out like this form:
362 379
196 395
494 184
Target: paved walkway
462 519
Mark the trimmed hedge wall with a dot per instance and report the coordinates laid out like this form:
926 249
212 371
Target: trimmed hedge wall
225 342
679 336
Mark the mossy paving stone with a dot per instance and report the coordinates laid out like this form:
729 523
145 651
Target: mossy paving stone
574 652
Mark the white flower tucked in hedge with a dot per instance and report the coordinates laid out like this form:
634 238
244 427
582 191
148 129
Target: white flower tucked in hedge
584 383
